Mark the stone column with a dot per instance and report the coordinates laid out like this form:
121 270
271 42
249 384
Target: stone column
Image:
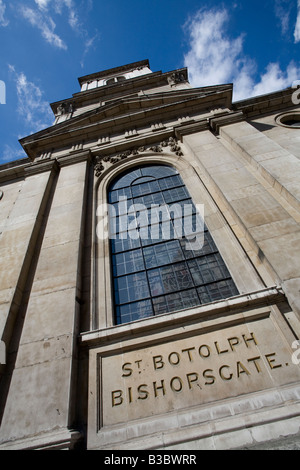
22 208
278 166
278 238
258 214
42 389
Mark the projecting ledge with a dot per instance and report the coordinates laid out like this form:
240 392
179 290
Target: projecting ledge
263 297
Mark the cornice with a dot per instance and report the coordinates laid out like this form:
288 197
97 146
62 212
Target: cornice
27 169
230 118
51 164
133 85
126 114
213 123
265 104
113 91
115 70
191 128
74 157
14 172
40 167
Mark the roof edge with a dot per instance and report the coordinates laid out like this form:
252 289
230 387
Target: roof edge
120 69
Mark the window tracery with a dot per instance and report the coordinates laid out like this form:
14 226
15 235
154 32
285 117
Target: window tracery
156 268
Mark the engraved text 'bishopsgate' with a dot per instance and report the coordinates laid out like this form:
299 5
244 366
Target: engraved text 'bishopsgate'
192 370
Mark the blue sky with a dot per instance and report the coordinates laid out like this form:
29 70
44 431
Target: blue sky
45 45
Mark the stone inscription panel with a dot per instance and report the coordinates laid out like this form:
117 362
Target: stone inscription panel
193 371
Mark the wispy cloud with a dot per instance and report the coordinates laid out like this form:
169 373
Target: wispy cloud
3 20
32 108
58 6
45 24
41 17
214 58
11 153
42 4
297 27
89 44
283 10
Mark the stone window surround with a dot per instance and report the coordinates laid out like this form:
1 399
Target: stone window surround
102 313
115 79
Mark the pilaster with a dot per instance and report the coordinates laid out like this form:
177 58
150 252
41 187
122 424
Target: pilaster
266 224
42 386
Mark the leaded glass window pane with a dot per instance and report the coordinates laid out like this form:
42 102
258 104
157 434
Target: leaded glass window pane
144 188
163 257
173 302
131 288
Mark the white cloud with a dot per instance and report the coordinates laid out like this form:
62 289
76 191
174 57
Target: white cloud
41 17
12 153
58 6
32 107
215 58
89 43
275 79
283 11
3 20
212 56
297 27
73 19
42 4
45 24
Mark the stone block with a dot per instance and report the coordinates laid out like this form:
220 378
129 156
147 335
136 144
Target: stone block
48 314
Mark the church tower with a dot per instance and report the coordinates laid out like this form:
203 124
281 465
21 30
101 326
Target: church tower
149 283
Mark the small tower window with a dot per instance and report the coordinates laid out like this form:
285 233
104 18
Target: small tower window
113 80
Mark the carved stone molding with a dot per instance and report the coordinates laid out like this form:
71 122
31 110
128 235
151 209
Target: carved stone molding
103 140
64 108
171 143
157 126
130 133
77 146
176 77
45 155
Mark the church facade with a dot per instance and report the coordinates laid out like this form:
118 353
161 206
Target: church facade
150 275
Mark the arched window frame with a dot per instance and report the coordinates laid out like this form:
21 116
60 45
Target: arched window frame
102 289
114 80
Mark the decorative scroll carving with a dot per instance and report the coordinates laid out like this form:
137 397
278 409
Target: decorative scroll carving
1 194
98 168
64 108
171 143
176 77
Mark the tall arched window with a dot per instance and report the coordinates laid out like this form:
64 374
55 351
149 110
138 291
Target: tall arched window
158 264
